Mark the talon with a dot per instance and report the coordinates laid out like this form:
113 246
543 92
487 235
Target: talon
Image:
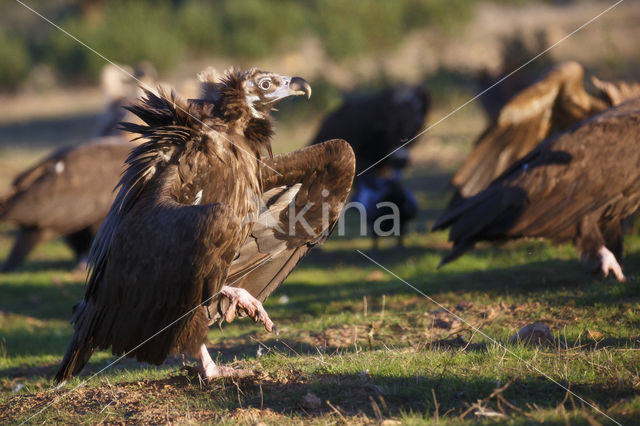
609 264
241 300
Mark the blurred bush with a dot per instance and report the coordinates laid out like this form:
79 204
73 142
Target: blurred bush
15 61
127 32
258 28
349 28
165 32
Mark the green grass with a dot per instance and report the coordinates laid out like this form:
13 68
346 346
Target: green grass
398 359
403 359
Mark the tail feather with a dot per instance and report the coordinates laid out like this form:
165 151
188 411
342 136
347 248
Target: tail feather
81 346
488 216
77 356
458 250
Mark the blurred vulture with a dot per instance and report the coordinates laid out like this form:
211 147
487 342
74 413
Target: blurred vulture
551 105
69 192
375 125
205 225
577 186
121 86
517 49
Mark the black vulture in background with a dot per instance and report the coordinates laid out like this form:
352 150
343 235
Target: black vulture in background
578 186
70 191
375 124
551 105
201 228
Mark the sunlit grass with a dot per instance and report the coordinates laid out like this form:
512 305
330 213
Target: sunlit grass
328 347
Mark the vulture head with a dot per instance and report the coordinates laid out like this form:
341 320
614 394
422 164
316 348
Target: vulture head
258 91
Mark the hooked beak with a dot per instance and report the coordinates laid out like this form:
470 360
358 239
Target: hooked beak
291 86
300 86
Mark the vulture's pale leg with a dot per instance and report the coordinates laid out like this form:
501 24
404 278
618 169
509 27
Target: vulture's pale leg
609 263
26 240
243 300
80 242
375 242
209 370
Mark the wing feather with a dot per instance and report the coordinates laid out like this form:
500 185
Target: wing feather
296 180
554 103
592 169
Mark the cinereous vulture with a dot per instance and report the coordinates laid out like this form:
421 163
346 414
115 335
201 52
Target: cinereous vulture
375 124
578 186
551 105
68 193
206 224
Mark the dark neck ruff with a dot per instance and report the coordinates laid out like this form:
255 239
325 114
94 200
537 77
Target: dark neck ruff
232 108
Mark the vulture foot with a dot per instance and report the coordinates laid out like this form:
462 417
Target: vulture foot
608 263
208 370
242 300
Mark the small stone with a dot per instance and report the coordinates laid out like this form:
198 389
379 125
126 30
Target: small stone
464 305
311 401
375 276
536 334
595 335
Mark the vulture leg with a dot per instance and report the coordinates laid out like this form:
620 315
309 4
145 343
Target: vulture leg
80 243
613 237
25 242
608 263
375 242
209 370
593 244
242 300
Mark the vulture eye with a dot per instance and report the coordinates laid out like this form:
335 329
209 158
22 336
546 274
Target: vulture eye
265 84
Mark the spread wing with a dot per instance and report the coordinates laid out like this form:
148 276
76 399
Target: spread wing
551 105
311 181
591 169
69 190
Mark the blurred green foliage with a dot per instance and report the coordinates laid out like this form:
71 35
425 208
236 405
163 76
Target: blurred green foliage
127 32
165 32
15 61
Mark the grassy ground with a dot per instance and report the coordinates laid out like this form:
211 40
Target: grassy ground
366 346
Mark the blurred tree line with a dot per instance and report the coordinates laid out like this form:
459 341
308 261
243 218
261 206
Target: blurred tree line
165 32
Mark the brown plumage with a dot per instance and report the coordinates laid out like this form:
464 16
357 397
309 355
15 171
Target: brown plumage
199 219
578 186
551 105
68 193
